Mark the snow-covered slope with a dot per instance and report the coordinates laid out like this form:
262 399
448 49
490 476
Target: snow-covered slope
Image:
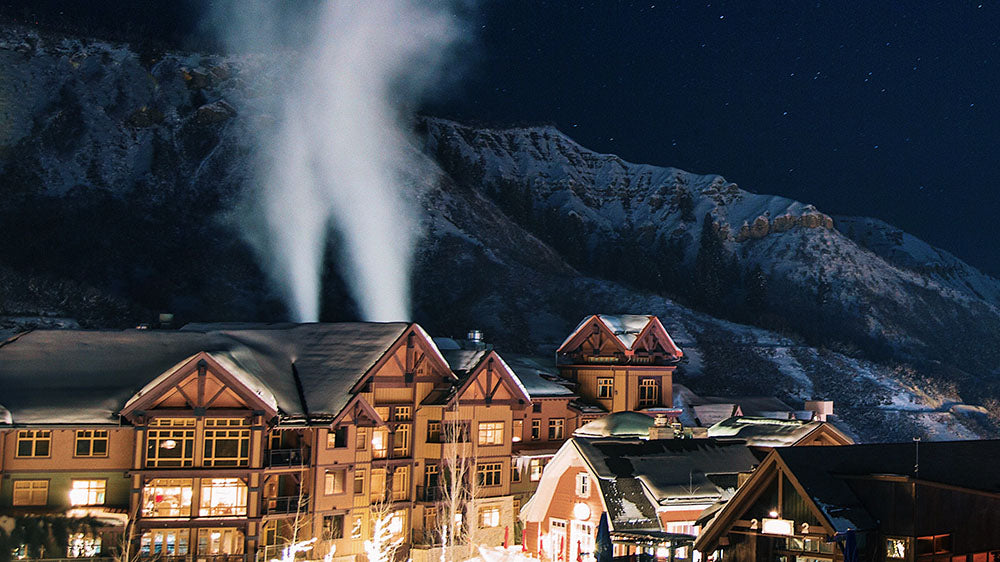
524 233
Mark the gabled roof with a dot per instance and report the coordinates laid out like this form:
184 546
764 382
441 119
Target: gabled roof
627 329
491 363
636 476
825 474
77 376
617 424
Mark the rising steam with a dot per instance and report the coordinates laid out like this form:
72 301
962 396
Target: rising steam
339 154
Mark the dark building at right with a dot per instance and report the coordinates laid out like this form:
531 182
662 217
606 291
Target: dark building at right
897 502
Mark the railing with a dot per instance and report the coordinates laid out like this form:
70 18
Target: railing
284 504
429 493
425 537
287 457
192 558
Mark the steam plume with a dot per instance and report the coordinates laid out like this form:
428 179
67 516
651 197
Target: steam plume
339 153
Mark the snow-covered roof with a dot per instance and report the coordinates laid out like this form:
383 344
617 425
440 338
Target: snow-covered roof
74 376
637 475
539 377
618 424
625 327
764 432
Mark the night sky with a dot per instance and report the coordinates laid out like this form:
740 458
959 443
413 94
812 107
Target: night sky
885 109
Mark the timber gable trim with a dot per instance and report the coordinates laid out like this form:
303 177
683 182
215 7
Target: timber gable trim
414 337
488 377
203 365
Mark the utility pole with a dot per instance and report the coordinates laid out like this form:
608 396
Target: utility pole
916 461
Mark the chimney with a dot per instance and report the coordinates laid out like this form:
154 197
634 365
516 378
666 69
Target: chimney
166 319
474 336
661 428
820 409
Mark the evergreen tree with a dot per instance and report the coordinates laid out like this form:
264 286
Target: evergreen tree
755 286
710 266
603 548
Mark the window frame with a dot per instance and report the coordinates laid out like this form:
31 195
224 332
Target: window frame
149 509
216 432
359 476
207 485
99 493
433 431
330 481
494 512
645 386
489 474
34 437
536 429
490 434
557 428
161 430
605 388
92 439
34 486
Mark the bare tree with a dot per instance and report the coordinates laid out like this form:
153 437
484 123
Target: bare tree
387 532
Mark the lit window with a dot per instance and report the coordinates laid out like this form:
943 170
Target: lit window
92 443
491 433
357 523
555 429
605 387
223 497
536 430
535 467
517 431
380 443
31 492
895 548
401 483
583 485
87 492
515 474
167 497
377 485
33 442
649 392
227 442
220 541
401 441
433 432
361 443
164 542
396 522
83 545
334 483
170 442
488 474
402 413
489 516
359 481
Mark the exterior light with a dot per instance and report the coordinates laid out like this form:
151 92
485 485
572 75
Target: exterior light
773 514
168 444
581 511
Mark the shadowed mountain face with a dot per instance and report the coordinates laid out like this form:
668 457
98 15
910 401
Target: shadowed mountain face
125 174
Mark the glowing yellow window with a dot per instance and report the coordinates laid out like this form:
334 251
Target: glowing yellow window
31 492
222 497
489 516
380 443
167 497
491 433
87 492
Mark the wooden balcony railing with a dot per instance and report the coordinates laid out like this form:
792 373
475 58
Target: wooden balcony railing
285 504
287 457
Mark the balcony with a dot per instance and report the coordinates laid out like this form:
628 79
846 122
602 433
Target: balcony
283 458
284 504
426 538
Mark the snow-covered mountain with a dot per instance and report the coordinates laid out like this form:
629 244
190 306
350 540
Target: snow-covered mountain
122 173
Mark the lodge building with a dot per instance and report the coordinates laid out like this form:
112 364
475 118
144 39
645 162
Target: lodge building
229 441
